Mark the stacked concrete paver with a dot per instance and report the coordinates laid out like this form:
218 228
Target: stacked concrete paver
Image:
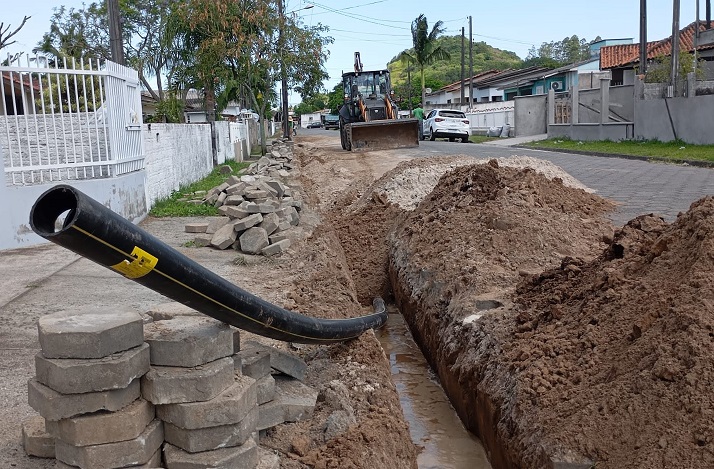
87 390
192 391
257 208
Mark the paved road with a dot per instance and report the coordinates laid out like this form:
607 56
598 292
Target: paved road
638 187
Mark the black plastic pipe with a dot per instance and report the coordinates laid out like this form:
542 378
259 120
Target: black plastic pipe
95 232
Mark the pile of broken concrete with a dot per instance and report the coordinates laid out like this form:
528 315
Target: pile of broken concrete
257 209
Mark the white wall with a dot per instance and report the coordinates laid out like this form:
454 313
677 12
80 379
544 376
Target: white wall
176 155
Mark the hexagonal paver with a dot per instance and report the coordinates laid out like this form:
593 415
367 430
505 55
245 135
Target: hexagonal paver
188 341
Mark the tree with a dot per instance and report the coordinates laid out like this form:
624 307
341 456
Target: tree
5 36
315 103
570 50
425 51
659 70
336 98
76 33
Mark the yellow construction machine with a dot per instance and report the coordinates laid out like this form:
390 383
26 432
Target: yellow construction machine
369 116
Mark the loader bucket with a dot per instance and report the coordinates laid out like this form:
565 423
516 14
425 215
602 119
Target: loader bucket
384 134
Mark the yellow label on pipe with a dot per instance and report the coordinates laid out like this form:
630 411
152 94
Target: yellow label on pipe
142 264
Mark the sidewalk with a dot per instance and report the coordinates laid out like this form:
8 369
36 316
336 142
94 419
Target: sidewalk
514 141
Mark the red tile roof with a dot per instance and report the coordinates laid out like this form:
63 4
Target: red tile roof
629 54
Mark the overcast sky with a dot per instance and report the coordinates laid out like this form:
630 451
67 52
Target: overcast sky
380 29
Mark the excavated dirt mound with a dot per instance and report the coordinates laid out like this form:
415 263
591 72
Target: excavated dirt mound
455 263
614 358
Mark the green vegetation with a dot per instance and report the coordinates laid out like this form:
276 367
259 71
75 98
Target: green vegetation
179 205
674 151
481 138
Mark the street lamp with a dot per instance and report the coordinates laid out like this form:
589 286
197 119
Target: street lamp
283 74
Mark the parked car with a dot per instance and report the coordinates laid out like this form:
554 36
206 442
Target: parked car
446 123
314 125
331 121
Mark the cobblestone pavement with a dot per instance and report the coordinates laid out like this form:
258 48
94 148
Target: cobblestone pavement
639 187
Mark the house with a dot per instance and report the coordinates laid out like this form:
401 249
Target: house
18 93
451 94
511 83
622 60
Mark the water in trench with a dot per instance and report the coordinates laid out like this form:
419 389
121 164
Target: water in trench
434 426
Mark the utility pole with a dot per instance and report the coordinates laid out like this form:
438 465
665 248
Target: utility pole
115 40
283 75
675 45
643 37
461 103
409 87
709 13
471 65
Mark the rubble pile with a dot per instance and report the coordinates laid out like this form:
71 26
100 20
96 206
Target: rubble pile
257 208
173 390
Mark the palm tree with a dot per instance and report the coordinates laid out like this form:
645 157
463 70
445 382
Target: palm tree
425 51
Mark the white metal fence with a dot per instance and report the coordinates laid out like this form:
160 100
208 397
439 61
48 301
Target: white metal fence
483 116
69 120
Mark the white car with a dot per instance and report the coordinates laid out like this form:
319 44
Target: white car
446 123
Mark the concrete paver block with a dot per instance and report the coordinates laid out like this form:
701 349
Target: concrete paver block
277 186
284 225
212 438
224 237
247 222
256 194
293 402
229 407
276 248
106 427
170 310
265 389
233 200
171 385
55 406
196 227
236 457
132 452
221 198
270 223
250 207
278 237
237 189
36 440
267 207
253 240
202 240
236 213
255 363
188 341
232 180
214 223
236 340
75 375
89 333
154 463
267 459
284 362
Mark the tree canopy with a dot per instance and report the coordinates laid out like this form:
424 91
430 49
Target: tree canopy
566 51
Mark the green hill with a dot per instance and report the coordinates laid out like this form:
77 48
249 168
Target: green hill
444 72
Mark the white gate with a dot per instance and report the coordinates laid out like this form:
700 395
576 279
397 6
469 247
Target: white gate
69 120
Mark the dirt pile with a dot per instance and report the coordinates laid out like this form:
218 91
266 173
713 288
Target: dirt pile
615 358
455 263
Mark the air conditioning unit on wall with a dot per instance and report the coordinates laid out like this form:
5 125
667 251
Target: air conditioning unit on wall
556 85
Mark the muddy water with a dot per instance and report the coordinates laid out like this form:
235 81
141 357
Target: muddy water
434 426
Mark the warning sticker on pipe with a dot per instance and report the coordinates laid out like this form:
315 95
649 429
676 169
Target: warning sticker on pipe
142 264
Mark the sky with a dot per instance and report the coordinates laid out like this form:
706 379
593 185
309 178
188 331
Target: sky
380 29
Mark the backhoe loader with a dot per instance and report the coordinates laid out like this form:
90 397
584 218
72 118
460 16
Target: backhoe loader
369 117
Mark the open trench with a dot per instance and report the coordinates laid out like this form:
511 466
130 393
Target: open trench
442 439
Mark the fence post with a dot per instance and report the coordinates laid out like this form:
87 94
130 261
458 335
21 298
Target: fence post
691 85
574 105
551 106
604 100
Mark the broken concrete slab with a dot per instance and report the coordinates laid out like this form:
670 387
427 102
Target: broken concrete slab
170 385
293 402
55 406
139 450
255 363
212 438
74 375
195 227
253 240
188 341
284 362
103 427
235 457
36 440
171 310
89 332
229 407
265 389
224 237
276 248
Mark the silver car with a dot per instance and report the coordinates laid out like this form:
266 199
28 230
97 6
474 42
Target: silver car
446 123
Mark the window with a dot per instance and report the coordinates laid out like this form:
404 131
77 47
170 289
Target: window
454 114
